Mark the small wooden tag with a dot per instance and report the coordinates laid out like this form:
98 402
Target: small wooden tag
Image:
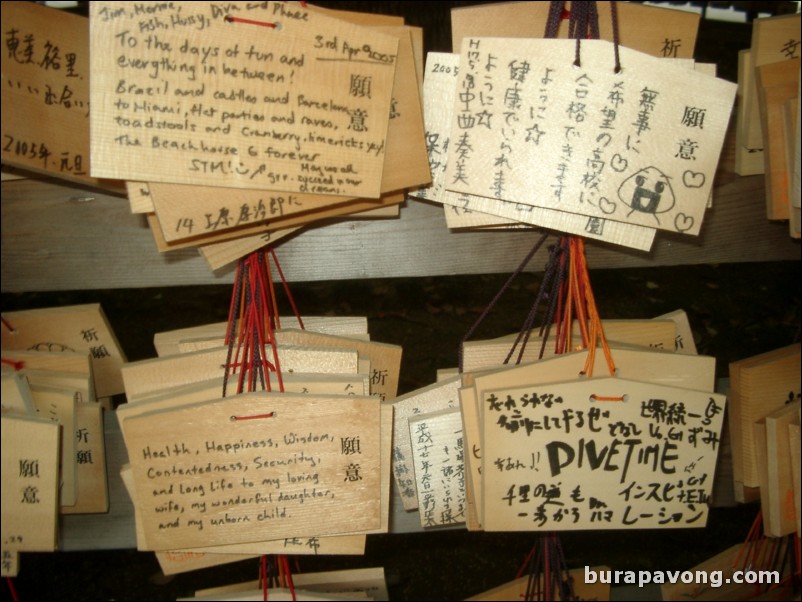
30 461
58 405
310 468
188 105
139 197
191 211
438 454
438 396
659 367
573 460
627 147
45 96
90 462
773 39
748 161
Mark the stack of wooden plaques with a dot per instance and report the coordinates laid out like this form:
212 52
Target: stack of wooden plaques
472 448
516 140
226 134
60 366
305 470
767 139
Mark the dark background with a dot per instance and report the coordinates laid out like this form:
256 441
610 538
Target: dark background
735 311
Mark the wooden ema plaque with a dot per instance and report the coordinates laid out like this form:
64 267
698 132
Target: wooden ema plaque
311 468
432 398
440 88
759 385
30 484
438 453
182 96
45 93
562 456
625 146
659 367
191 211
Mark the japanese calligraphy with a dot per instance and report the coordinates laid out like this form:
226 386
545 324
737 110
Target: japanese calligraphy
601 454
440 94
556 136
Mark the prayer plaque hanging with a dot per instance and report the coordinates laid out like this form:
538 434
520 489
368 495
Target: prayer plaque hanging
568 456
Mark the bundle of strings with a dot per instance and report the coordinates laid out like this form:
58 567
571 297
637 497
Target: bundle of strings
762 553
253 319
547 570
583 23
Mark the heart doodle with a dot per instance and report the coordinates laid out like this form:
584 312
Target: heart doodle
693 179
618 163
683 222
606 205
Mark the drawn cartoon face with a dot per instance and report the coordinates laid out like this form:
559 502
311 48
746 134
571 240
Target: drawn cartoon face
647 191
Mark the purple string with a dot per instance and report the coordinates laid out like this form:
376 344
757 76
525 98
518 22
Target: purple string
616 39
544 292
235 310
498 295
553 21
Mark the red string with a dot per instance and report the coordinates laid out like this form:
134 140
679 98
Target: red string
271 333
8 325
525 564
12 589
230 19
287 288
288 574
254 417
16 365
263 576
603 398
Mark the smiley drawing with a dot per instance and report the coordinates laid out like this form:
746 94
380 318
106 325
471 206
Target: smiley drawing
647 191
